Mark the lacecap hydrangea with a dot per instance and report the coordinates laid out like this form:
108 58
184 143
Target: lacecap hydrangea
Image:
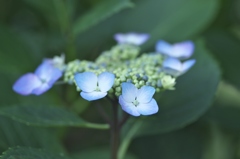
125 74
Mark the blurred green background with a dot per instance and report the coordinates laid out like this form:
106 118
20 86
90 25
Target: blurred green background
199 120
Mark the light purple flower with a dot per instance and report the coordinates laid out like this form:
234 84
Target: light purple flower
138 101
175 67
131 38
182 50
38 82
94 87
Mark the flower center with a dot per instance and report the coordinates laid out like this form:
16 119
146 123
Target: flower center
43 80
135 102
98 89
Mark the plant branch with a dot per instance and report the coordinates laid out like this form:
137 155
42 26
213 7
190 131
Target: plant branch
114 133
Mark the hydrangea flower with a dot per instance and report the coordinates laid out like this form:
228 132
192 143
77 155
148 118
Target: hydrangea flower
175 67
136 101
182 50
38 82
94 87
131 38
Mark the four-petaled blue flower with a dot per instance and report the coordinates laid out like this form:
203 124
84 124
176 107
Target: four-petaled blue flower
131 38
182 50
94 87
138 101
175 67
38 82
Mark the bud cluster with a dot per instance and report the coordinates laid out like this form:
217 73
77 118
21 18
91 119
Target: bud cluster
123 62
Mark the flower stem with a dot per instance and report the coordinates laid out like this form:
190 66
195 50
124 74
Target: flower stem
114 133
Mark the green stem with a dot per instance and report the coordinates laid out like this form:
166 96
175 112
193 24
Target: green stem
127 140
114 133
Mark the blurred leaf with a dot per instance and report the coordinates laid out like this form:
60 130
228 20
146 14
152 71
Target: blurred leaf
47 116
99 13
29 153
100 153
15 56
186 143
173 20
226 108
220 144
13 134
226 116
226 49
194 93
44 8
227 94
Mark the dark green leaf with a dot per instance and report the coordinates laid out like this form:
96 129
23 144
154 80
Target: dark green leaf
30 153
47 116
173 20
15 56
194 93
99 13
226 49
13 134
182 144
101 153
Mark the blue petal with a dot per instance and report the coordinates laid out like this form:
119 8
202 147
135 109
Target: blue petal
93 95
145 94
172 66
183 50
164 47
148 108
86 81
54 76
129 92
187 65
47 72
105 81
130 108
26 84
41 89
131 38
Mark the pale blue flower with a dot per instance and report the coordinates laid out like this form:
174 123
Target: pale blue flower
38 82
94 87
175 67
182 50
136 101
131 38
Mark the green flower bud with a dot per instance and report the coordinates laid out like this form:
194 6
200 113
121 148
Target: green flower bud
168 82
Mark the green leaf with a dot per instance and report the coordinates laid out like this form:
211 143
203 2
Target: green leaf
30 153
186 143
226 108
47 116
101 153
226 116
170 19
173 20
193 96
13 59
99 13
226 49
13 134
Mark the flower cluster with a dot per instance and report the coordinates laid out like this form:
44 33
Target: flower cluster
121 72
